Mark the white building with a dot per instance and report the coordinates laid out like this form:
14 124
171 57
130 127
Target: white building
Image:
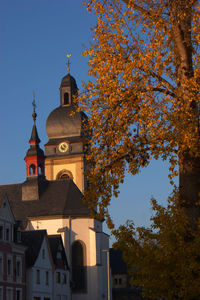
61 278
47 272
39 265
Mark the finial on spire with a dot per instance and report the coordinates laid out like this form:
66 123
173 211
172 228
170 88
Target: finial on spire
34 115
68 63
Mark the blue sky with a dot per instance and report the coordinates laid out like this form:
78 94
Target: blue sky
35 36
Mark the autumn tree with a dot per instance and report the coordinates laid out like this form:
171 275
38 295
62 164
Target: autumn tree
143 98
143 104
163 259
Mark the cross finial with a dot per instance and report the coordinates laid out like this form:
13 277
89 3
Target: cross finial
68 63
34 115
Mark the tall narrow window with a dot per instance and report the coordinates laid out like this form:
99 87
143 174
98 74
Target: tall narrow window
38 276
1 266
1 232
18 295
39 170
66 98
18 268
57 277
78 267
9 267
47 278
32 169
64 278
7 234
9 294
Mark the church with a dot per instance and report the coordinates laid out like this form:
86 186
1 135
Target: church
51 196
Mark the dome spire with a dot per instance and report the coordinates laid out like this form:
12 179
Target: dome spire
68 63
34 135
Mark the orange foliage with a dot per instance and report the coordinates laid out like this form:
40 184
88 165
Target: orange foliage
142 100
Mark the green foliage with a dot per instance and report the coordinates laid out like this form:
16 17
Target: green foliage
163 259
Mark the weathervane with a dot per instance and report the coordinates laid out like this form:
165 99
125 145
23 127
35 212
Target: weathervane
34 115
68 63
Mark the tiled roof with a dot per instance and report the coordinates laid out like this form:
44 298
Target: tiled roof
55 198
33 241
55 242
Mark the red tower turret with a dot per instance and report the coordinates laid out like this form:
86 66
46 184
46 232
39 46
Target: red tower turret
35 156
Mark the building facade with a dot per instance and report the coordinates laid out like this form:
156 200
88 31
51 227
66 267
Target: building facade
12 256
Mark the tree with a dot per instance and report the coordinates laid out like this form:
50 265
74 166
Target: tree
143 103
164 259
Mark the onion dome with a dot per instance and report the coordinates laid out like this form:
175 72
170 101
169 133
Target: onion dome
65 121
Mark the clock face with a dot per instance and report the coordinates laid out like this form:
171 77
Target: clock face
63 147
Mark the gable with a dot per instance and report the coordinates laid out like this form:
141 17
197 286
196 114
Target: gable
44 259
5 210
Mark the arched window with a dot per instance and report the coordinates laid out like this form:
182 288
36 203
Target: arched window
79 275
64 174
66 98
32 169
39 170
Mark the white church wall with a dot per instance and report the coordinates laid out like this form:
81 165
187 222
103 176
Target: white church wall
89 231
79 231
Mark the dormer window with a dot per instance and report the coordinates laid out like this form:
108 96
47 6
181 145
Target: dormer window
66 98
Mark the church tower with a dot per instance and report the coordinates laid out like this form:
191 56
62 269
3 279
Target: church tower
65 129
54 202
35 156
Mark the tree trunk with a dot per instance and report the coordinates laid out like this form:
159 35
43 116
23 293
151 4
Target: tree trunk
189 185
189 163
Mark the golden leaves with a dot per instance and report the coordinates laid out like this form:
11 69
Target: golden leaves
138 107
